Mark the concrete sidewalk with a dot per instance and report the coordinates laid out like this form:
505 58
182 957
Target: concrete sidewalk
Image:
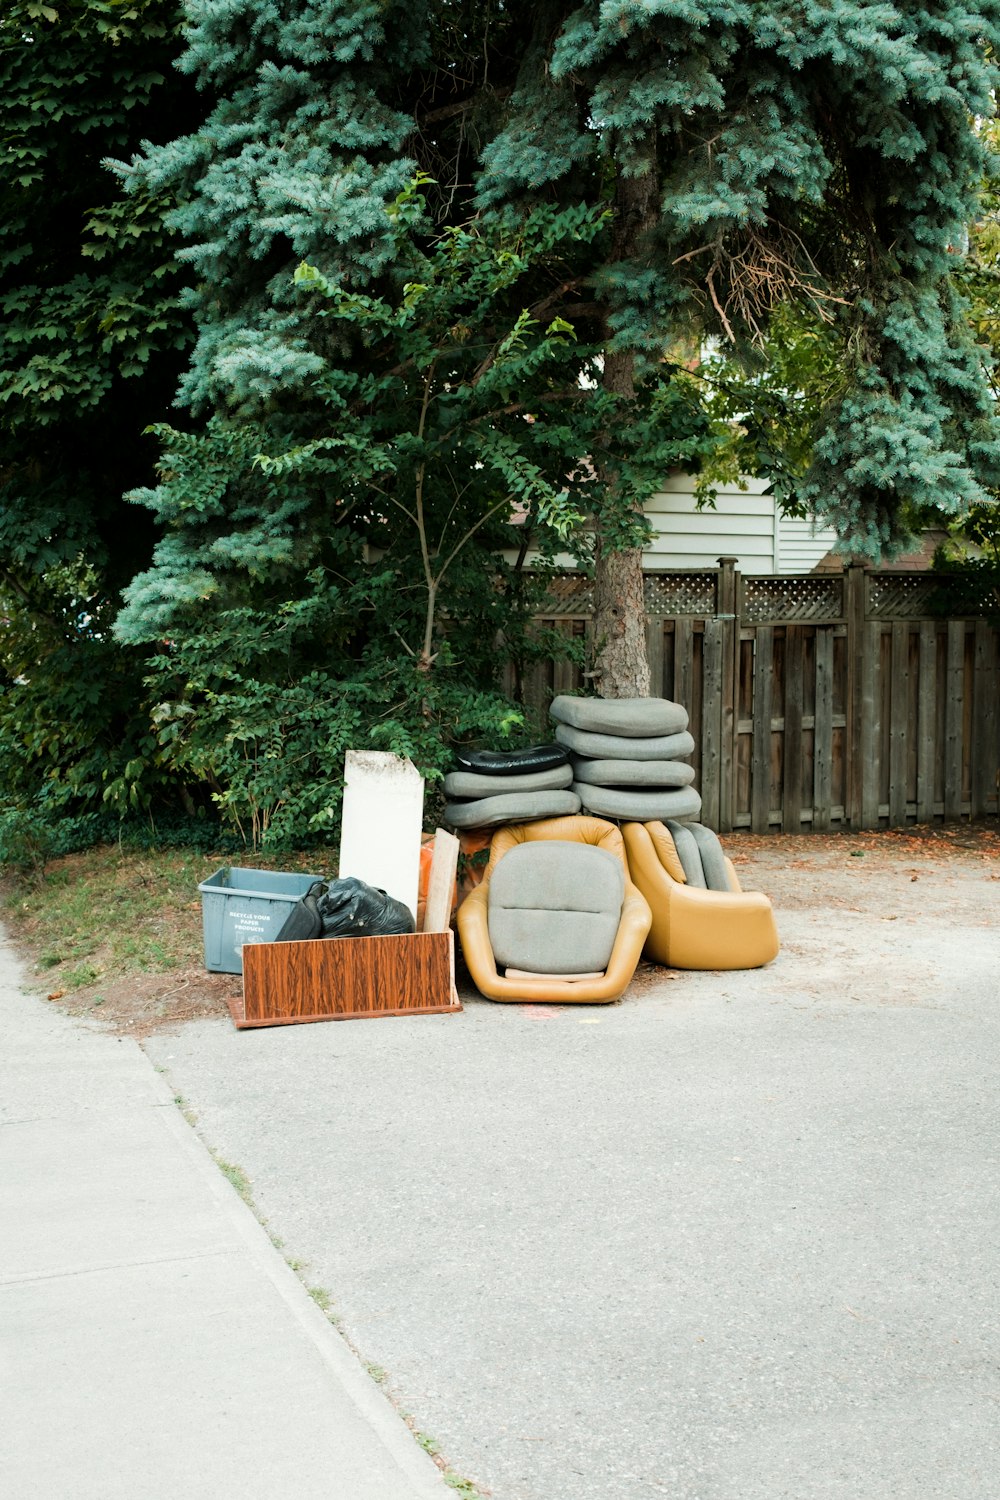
153 1342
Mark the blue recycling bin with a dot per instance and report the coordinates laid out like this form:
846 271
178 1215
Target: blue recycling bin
240 906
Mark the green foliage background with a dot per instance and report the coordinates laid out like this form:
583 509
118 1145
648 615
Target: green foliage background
92 341
398 264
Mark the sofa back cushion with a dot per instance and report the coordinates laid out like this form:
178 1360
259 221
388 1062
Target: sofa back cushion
701 854
555 907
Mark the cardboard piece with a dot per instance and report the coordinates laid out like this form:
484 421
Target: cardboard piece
441 885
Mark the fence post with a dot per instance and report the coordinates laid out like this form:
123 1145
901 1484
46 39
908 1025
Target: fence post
727 612
854 615
861 776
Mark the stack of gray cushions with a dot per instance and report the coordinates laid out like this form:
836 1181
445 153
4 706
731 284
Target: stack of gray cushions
498 791
555 908
628 756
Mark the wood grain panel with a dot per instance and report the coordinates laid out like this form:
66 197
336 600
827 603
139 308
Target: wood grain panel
822 797
683 662
346 978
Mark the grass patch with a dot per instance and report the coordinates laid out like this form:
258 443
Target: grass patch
109 911
186 1111
81 975
129 911
463 1487
238 1178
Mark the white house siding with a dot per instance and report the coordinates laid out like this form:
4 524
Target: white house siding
744 524
801 544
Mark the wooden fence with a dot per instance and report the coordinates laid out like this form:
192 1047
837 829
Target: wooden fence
826 701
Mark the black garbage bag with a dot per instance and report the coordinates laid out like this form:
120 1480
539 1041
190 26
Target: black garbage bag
350 908
303 921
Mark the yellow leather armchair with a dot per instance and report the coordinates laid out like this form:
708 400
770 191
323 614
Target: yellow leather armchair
474 934
696 929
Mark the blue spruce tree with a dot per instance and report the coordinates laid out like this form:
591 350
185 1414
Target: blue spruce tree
761 155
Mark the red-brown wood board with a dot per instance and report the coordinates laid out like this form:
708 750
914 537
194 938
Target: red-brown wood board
337 979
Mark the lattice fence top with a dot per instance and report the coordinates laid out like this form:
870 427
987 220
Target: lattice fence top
679 593
569 594
663 594
900 596
817 597
813 597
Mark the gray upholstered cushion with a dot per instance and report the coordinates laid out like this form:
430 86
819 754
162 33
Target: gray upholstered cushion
511 807
460 784
554 907
630 717
646 773
639 806
713 861
700 852
616 746
688 853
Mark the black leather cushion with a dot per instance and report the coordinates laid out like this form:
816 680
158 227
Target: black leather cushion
511 762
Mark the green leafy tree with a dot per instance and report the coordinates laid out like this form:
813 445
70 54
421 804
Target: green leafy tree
969 562
357 574
768 403
977 271
300 155
91 336
92 342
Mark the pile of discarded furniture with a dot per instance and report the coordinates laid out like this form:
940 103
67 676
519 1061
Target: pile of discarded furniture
596 860
568 905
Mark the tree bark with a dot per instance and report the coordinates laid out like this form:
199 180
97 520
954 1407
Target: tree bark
620 665
620 626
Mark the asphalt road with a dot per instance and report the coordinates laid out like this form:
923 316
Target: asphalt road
733 1239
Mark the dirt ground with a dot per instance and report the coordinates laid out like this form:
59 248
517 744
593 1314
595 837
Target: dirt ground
854 909
145 1003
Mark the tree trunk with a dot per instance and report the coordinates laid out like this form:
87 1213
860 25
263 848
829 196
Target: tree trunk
620 626
621 666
